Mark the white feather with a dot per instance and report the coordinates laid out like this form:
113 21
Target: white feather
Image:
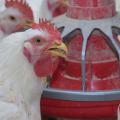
44 11
118 5
2 5
20 89
36 8
40 9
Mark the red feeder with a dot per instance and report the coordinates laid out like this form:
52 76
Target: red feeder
87 82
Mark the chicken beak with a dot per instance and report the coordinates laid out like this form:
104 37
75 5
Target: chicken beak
64 2
26 24
58 49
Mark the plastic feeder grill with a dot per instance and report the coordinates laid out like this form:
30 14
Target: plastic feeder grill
87 83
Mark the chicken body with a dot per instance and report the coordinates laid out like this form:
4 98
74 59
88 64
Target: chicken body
23 76
20 88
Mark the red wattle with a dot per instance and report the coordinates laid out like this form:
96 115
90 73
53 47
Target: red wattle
46 67
43 67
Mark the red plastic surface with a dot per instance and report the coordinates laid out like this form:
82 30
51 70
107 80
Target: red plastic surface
103 75
102 66
71 109
91 9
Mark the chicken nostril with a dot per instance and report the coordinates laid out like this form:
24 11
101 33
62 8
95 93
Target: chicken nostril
27 54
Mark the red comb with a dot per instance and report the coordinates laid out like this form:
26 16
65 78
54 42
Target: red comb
22 6
47 26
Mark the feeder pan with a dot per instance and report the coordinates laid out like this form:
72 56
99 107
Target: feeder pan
87 83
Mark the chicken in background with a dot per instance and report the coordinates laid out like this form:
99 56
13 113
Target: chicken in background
52 8
118 5
2 5
26 59
36 6
12 18
57 7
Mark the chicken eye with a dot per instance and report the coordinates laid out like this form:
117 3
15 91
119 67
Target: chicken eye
37 40
12 18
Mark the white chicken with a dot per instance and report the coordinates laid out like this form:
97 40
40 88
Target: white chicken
44 10
118 5
36 6
22 80
2 5
52 8
14 16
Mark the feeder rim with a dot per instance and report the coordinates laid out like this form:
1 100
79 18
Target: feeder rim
75 95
